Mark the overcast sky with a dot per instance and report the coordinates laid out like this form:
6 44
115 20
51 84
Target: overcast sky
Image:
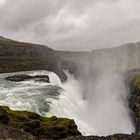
71 24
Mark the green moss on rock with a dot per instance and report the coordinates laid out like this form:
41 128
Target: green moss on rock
136 83
41 127
135 101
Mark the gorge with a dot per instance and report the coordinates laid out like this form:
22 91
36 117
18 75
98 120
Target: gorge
99 89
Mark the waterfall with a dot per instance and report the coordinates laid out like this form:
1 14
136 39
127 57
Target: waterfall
103 110
96 99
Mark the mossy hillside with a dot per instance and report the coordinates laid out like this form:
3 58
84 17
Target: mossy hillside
40 126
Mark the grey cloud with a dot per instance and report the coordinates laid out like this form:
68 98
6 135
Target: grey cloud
71 24
18 14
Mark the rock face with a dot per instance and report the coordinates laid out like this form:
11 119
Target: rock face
37 78
19 56
135 101
37 126
11 133
4 119
113 137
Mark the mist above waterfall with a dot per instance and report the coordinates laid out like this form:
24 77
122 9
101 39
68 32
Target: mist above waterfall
101 101
107 107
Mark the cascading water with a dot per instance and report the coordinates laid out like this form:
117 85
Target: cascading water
72 105
101 110
102 113
30 95
98 99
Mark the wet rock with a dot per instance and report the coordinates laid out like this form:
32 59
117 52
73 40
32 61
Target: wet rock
43 80
4 119
11 133
134 101
112 137
20 78
133 83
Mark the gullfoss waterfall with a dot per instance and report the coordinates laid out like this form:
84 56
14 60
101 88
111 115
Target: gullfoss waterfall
101 110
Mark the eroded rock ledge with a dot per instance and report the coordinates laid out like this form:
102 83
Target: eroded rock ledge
20 78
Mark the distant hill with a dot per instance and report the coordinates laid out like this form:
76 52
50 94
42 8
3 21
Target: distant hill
20 56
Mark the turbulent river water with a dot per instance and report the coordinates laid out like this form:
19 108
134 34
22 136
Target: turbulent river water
93 115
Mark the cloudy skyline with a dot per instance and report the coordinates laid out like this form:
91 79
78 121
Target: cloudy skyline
71 24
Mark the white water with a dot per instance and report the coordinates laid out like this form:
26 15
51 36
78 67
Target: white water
99 107
72 105
30 95
104 111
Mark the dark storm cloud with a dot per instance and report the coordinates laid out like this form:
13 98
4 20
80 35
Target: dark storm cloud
71 24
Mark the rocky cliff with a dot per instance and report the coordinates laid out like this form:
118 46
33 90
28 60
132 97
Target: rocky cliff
20 56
